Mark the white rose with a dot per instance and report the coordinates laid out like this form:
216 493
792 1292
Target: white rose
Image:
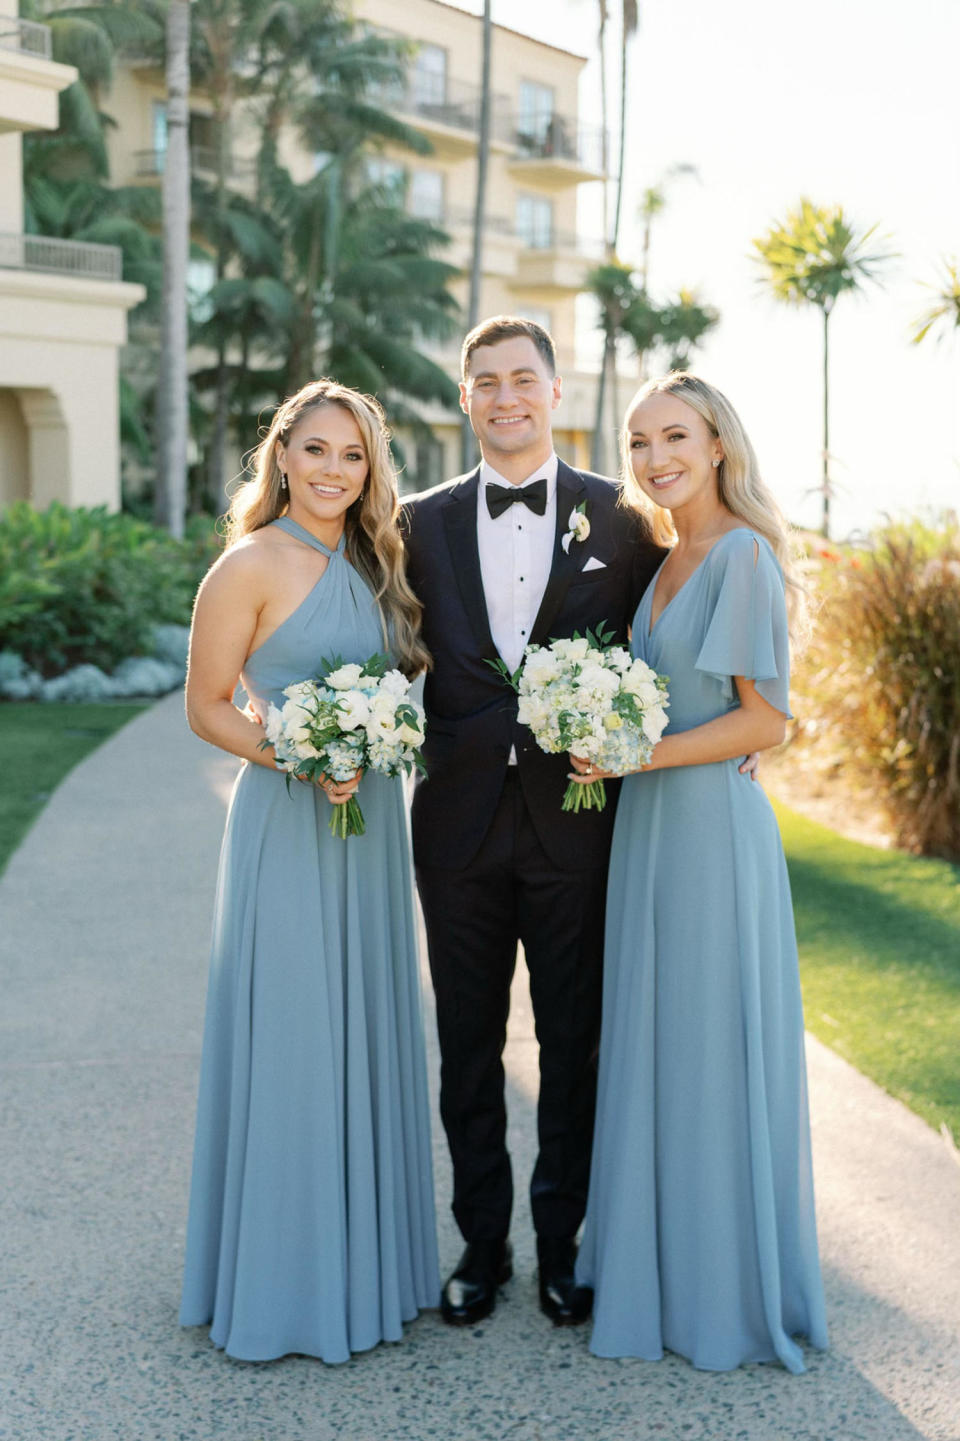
302 690
654 723
274 725
572 649
541 667
597 678
410 735
303 750
353 709
346 677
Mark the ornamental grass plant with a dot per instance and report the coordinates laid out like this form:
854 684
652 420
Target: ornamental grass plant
881 678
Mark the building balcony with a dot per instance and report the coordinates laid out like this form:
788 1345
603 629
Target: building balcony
559 152
30 82
550 260
25 36
46 253
241 171
558 261
445 110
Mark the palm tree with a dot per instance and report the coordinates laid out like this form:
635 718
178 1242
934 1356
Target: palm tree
630 20
811 258
303 63
943 317
479 212
627 312
172 424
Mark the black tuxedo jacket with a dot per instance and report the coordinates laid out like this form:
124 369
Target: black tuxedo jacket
471 711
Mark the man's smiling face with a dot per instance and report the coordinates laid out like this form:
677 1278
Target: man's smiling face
509 395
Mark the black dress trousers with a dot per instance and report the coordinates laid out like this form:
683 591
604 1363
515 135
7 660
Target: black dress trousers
474 916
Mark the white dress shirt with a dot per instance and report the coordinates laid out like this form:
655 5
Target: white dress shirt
516 553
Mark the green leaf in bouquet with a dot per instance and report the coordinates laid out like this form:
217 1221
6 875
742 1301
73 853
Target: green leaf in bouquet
377 666
500 666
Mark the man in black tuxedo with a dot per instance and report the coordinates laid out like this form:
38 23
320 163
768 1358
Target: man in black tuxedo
497 859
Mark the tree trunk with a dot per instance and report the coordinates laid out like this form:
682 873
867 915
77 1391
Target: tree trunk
222 89
825 482
467 442
598 442
172 411
604 114
629 20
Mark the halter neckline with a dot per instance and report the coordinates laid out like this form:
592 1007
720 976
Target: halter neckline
299 532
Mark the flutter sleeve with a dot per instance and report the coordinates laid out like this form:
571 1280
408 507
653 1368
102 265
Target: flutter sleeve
746 632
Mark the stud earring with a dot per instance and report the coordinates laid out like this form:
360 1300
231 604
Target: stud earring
716 465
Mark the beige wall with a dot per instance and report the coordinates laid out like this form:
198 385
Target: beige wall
60 336
59 347
14 449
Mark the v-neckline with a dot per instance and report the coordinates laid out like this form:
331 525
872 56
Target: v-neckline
680 589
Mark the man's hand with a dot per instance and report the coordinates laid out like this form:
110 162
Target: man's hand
750 765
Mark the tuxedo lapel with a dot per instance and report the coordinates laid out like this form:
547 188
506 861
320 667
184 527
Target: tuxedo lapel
460 524
571 492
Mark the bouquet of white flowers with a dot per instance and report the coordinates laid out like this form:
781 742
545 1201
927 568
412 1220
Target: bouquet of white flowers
593 700
351 717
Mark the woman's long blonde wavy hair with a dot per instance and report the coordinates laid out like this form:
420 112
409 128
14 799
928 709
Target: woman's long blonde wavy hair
373 543
739 483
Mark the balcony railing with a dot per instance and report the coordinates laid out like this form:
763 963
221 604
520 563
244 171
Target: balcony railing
433 98
562 139
25 35
545 239
203 161
61 257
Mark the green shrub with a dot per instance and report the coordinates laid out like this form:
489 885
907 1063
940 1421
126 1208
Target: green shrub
882 674
87 586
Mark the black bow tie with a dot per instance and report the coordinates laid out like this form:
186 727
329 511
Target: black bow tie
534 495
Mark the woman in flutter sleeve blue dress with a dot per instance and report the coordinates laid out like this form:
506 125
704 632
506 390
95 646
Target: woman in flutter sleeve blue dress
311 1225
700 1236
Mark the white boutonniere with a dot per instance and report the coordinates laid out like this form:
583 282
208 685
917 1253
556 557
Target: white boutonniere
579 527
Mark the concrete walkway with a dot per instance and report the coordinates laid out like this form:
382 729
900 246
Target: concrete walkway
104 923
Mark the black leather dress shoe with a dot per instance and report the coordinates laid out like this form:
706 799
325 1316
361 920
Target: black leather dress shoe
566 1303
471 1292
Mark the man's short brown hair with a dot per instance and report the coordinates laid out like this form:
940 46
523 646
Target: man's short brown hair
508 327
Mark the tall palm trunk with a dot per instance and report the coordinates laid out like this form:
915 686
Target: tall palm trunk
629 19
598 443
825 481
222 89
467 445
172 414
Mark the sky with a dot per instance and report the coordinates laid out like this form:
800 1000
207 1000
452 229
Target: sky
851 102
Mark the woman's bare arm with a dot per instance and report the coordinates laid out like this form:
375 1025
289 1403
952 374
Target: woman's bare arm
752 726
224 623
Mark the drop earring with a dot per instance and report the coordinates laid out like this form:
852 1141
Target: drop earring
283 480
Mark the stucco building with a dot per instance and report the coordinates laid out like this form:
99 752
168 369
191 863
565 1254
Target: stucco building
63 311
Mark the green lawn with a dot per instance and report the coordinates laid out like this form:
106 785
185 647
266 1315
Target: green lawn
39 744
879 935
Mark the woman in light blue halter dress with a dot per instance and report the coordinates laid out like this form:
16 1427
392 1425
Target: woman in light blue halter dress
700 1236
311 1223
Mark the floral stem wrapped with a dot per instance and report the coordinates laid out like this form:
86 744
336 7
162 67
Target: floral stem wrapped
594 700
350 718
